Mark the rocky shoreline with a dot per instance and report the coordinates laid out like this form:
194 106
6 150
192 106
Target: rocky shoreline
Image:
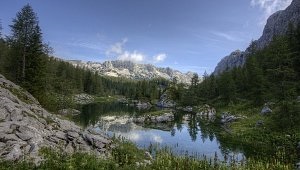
25 128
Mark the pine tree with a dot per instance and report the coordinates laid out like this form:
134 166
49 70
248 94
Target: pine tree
28 58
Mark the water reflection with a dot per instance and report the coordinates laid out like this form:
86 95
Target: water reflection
186 135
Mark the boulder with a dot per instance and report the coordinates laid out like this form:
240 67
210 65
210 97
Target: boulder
188 109
205 110
226 118
259 123
142 106
15 153
165 102
72 135
265 110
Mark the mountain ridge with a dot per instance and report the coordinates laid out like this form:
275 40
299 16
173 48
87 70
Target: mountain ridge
131 70
277 24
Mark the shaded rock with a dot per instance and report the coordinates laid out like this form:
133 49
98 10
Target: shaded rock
139 119
226 118
140 105
297 166
83 99
188 109
68 112
259 123
69 148
71 135
15 153
205 110
60 135
165 102
8 137
265 110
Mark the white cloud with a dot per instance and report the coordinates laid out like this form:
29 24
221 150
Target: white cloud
159 57
117 51
270 6
227 36
132 56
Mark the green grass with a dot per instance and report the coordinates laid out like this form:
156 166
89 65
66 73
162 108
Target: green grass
259 141
126 156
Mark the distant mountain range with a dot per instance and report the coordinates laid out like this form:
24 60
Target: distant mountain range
128 69
277 24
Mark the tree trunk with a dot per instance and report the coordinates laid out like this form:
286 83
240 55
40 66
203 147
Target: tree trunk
23 65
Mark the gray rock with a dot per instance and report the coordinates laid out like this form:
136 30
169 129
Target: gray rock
259 123
235 59
25 136
69 112
265 110
8 137
60 135
297 166
25 127
69 148
15 153
140 105
188 109
226 118
166 102
72 135
128 69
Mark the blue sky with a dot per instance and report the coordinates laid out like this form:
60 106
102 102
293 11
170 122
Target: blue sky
188 35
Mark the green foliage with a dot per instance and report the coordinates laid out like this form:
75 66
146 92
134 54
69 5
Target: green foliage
163 160
27 57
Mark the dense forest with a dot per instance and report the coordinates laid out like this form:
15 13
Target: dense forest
25 59
269 76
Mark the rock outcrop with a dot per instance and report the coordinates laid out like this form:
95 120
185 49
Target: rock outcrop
166 117
128 69
226 118
25 128
277 24
165 102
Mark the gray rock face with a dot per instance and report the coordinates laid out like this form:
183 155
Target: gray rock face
277 24
25 127
235 59
128 69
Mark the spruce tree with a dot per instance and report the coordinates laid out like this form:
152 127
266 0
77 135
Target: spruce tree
27 58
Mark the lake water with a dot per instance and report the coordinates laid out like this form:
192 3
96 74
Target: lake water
184 137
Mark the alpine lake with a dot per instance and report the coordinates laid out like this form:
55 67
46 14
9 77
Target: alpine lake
187 135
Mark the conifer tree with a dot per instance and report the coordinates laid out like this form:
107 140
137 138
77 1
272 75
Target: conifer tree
26 42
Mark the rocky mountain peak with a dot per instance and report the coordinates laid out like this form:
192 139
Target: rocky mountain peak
128 69
277 24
